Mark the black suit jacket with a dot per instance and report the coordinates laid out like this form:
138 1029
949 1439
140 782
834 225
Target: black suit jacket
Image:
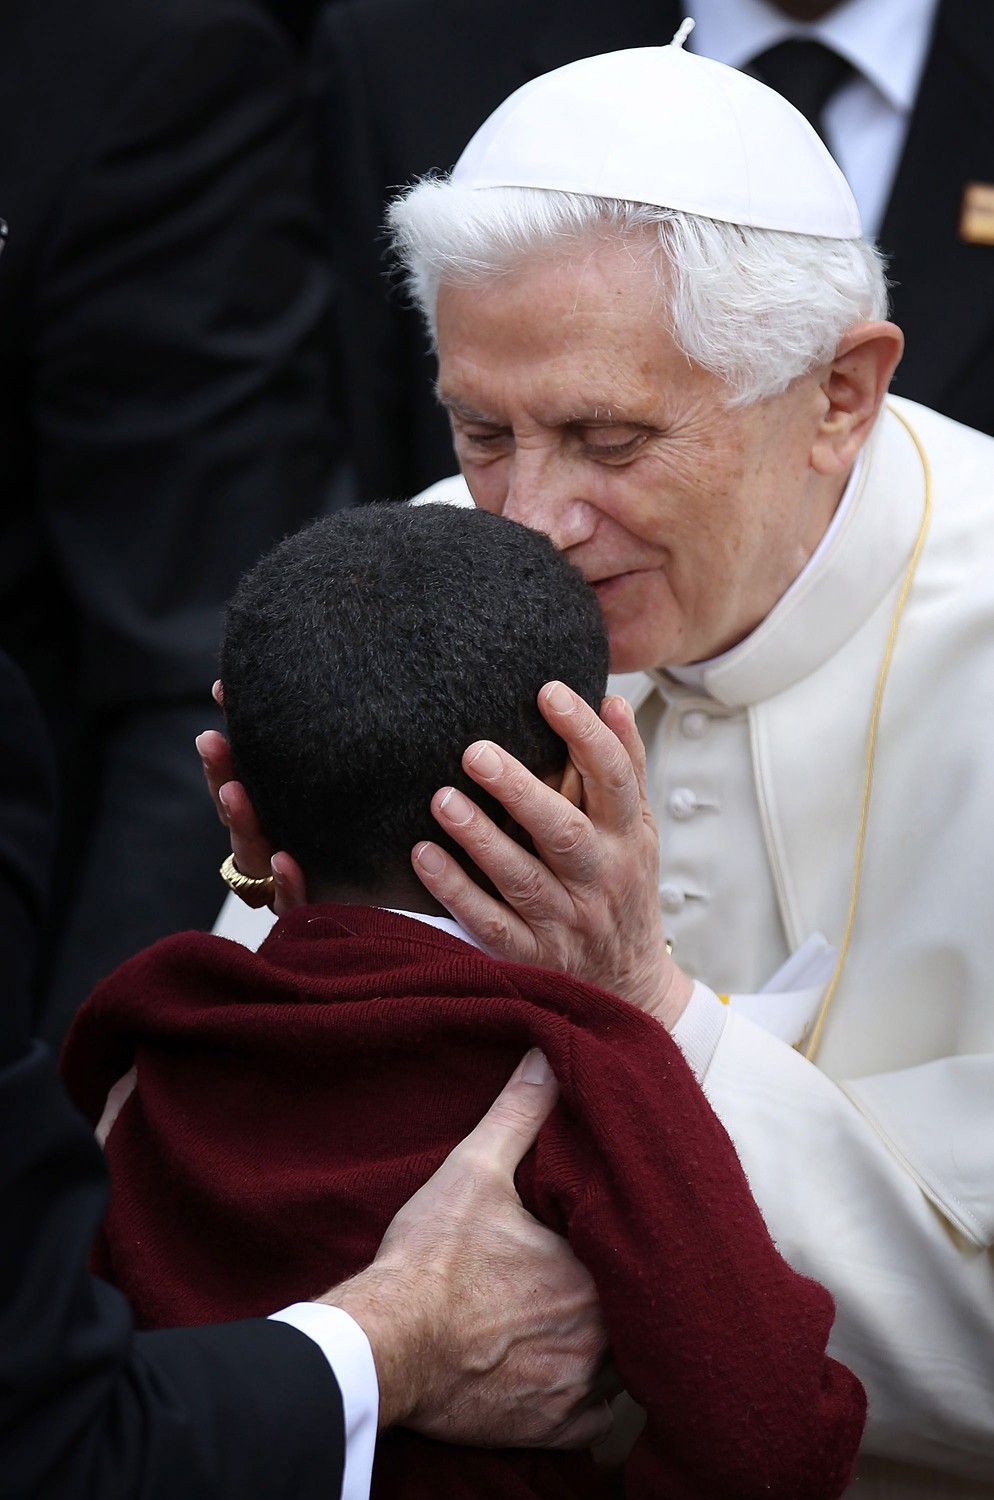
165 415
943 293
402 85
27 843
88 1409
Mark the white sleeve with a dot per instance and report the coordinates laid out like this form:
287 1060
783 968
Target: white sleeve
698 1031
347 1351
914 1288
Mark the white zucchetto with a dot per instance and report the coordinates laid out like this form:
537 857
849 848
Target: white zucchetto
662 126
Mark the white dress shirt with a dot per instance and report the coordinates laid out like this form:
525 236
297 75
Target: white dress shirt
866 122
346 1348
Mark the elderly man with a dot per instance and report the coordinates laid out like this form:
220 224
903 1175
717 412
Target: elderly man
661 340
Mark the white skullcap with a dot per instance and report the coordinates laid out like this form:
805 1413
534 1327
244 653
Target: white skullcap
662 126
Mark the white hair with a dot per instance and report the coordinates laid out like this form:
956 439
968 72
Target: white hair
757 307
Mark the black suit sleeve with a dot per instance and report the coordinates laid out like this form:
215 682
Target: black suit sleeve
91 1411
88 1409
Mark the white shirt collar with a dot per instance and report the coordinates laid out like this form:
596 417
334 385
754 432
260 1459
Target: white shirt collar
444 924
886 41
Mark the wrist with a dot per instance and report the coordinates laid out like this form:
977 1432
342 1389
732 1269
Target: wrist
676 989
388 1309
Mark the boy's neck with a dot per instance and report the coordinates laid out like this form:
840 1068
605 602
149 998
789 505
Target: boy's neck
396 892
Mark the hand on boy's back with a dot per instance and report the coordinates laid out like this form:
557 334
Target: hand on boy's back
485 1328
585 903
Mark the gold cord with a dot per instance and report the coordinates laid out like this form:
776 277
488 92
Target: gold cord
814 1041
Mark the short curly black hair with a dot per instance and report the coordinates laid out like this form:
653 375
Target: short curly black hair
363 654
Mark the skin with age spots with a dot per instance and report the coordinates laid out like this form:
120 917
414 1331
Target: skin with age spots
574 412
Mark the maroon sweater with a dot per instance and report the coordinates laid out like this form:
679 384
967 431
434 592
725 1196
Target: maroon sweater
288 1102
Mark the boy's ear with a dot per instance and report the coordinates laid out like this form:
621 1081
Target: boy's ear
571 785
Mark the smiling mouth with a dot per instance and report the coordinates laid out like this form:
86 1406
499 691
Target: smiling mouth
603 587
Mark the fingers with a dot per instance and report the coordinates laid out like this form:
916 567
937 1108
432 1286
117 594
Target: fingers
602 749
215 757
619 716
523 882
252 850
558 829
511 1125
494 926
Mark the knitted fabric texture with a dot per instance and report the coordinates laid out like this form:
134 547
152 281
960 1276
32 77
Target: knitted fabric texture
289 1102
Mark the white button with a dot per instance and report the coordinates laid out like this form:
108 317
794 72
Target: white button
695 725
683 803
671 898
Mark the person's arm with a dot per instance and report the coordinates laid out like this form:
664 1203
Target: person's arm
719 1341
468 1295
90 1409
832 1166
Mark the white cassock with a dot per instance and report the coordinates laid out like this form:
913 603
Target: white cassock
875 1168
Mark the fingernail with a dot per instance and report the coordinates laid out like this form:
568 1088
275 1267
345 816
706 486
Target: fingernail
197 743
277 875
429 857
224 802
485 761
457 808
560 698
535 1067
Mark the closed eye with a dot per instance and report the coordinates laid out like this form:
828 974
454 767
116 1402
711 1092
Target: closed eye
605 449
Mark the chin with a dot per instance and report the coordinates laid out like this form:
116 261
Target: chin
637 650
633 657
647 633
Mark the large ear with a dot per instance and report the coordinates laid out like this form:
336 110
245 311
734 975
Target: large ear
854 386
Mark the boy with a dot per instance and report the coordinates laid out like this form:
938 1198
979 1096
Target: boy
317 1083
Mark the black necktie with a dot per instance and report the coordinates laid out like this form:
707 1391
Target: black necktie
806 73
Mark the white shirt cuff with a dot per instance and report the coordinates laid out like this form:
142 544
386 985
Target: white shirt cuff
346 1348
698 1031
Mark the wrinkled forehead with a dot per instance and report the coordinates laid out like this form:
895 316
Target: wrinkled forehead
593 277
563 340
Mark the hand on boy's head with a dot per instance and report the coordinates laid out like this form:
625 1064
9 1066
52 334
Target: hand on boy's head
587 901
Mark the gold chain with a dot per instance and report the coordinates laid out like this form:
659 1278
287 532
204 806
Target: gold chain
814 1041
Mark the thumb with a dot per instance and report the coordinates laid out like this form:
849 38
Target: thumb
511 1125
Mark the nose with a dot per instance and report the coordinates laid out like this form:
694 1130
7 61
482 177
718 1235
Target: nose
544 492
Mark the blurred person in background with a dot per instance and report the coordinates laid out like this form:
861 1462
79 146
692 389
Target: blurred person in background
165 414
